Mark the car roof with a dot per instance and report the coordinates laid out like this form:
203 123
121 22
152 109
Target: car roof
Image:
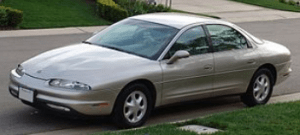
177 20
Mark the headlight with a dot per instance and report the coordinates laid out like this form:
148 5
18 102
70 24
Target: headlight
69 84
20 71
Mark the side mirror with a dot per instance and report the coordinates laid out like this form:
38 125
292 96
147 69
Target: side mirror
178 55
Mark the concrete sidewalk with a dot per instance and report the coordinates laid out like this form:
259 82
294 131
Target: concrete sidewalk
46 32
232 11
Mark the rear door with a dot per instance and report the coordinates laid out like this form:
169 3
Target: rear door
235 59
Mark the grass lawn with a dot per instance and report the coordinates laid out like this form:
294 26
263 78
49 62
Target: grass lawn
273 119
56 13
275 4
61 13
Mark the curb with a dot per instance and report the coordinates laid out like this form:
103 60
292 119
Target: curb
48 32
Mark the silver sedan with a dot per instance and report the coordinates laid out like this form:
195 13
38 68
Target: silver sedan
148 61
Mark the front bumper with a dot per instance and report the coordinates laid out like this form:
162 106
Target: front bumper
94 102
283 71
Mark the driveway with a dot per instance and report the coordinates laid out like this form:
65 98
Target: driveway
232 11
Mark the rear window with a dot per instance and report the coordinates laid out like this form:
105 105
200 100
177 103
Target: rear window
255 39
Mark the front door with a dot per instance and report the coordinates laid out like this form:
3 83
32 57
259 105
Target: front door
188 78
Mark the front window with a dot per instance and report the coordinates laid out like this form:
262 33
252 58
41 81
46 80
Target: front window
193 40
137 37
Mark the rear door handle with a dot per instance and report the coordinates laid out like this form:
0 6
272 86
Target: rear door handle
251 61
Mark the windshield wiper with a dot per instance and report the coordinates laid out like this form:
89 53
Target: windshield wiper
86 42
118 49
110 47
114 48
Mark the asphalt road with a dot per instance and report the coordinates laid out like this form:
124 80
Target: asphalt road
16 118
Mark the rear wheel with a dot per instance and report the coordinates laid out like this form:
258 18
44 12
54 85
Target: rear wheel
133 106
260 88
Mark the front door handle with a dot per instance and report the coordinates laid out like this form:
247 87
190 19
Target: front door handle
208 67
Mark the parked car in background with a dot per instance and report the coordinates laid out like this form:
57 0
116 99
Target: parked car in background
148 61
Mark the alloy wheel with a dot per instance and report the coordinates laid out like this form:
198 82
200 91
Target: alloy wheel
261 87
135 106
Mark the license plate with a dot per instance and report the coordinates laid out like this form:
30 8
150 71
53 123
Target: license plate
26 94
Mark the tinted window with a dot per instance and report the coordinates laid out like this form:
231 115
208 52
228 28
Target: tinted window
226 38
193 40
255 39
137 37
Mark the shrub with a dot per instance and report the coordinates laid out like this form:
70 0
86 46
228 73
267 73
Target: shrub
14 16
150 8
115 11
10 17
135 7
3 17
162 8
282 1
291 2
109 10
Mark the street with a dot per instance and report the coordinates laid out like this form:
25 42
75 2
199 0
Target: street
17 118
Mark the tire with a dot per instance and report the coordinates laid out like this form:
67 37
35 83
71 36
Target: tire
129 112
260 88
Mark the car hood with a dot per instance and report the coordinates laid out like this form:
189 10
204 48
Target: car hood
78 61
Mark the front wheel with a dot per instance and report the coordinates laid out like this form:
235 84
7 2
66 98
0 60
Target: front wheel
260 88
133 106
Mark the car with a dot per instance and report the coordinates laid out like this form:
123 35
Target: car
148 61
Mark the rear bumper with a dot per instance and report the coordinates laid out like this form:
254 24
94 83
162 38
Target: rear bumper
67 101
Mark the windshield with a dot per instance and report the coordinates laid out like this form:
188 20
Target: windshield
137 37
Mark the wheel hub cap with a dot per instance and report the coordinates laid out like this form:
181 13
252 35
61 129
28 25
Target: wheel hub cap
261 87
135 106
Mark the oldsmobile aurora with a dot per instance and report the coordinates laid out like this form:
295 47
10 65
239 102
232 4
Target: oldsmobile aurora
151 60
